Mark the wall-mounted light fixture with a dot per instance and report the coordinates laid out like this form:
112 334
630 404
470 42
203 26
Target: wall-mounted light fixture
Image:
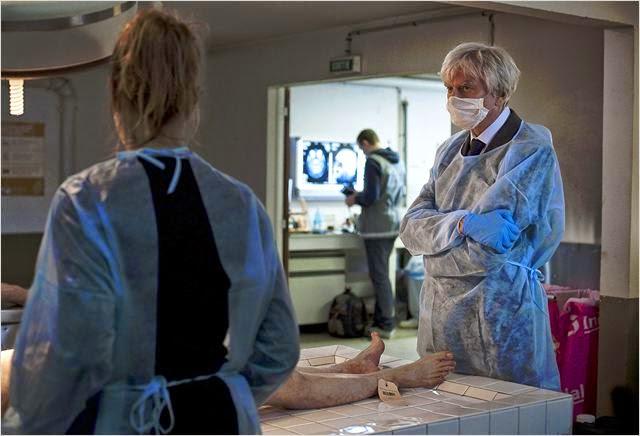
16 97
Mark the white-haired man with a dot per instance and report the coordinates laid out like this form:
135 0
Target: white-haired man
491 213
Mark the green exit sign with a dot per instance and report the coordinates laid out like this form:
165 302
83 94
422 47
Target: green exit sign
347 64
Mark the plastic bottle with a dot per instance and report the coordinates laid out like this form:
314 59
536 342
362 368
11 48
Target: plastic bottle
316 226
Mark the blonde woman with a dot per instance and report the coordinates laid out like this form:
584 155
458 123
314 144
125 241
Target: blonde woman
159 303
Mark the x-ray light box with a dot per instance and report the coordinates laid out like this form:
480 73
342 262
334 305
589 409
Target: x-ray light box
323 168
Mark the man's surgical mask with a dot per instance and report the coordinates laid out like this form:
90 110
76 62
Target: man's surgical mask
466 113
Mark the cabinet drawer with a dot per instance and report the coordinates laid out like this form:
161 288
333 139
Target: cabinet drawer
316 264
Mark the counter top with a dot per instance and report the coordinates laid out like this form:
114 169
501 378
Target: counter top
328 241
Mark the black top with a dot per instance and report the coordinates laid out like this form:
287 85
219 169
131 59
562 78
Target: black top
192 309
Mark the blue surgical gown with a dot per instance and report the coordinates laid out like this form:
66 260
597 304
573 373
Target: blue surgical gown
489 309
90 323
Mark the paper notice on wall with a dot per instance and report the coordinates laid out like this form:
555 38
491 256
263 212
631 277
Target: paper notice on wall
23 159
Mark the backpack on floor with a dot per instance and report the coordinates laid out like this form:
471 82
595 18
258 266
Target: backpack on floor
347 316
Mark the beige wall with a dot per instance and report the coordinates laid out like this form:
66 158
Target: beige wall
561 88
92 141
617 278
95 137
235 132
619 268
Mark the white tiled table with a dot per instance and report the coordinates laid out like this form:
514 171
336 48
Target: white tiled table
461 405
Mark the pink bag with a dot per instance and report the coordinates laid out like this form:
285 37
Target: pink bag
576 331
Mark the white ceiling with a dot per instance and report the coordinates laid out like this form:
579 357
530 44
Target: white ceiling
244 21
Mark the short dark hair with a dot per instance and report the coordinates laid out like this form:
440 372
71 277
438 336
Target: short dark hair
369 135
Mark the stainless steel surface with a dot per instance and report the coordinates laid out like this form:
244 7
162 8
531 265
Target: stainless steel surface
57 38
10 325
11 316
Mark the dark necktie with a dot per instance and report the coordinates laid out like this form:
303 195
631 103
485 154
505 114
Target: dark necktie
475 147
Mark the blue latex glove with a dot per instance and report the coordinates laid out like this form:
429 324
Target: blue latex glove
495 229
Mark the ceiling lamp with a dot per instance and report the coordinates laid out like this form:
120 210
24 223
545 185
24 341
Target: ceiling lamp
51 39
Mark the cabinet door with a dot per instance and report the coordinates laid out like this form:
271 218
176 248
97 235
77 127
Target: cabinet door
312 296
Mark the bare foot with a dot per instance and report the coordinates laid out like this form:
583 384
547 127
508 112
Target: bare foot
368 359
427 372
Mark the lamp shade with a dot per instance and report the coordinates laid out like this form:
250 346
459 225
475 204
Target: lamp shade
43 39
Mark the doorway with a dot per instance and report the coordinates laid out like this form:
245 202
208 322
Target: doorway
313 154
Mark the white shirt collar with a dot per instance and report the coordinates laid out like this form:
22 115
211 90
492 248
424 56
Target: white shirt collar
487 135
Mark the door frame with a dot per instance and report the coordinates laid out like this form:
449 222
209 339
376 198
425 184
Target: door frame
276 202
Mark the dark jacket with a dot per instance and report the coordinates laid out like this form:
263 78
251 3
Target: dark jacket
384 191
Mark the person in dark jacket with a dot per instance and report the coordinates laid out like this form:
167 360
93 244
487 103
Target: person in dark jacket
379 223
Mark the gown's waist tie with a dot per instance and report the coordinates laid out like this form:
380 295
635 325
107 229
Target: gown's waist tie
535 276
155 395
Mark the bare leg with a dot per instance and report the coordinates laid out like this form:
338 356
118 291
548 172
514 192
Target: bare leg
365 362
309 390
13 294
